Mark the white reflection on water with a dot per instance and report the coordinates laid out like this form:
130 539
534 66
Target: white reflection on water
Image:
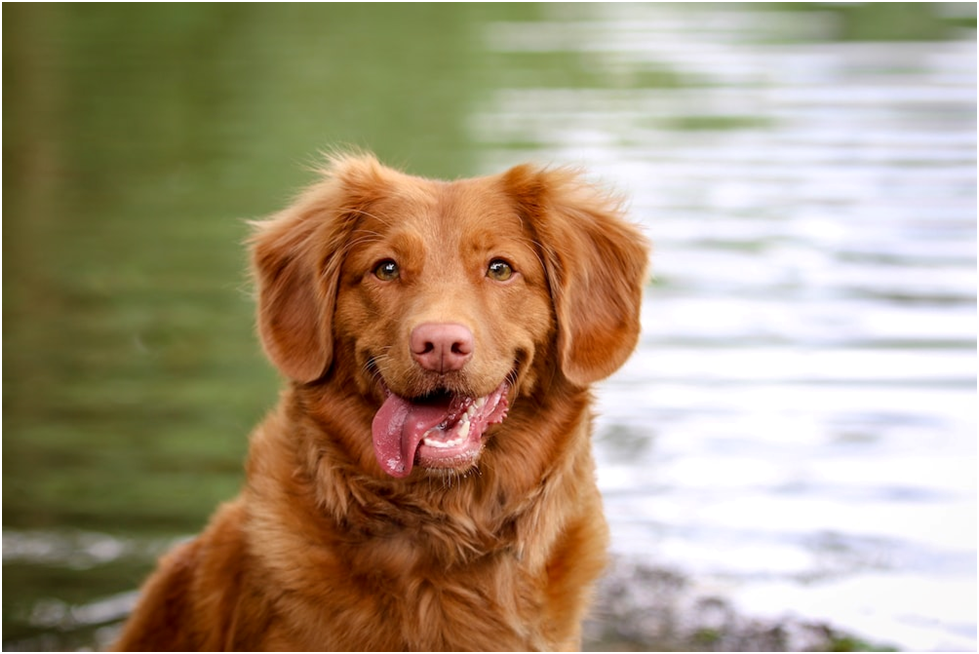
798 425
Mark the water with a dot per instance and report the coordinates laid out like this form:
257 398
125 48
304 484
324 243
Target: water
797 429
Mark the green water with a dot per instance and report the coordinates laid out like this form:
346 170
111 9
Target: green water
137 140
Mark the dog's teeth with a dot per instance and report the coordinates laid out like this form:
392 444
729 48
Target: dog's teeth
431 442
430 438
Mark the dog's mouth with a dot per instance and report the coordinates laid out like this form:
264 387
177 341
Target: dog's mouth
442 430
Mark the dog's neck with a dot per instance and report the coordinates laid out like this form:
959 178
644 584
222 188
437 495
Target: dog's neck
451 518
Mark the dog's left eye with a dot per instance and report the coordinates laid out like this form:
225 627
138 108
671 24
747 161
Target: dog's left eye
386 271
499 270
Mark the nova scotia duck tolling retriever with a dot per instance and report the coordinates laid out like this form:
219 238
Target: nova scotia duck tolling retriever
427 481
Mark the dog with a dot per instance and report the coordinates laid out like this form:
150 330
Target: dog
426 481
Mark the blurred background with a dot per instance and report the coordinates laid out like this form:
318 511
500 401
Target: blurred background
793 446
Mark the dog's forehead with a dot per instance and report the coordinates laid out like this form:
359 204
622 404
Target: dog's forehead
469 209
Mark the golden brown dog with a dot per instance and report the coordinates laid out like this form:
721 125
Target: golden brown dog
426 482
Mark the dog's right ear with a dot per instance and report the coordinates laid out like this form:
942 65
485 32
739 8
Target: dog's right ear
595 262
296 259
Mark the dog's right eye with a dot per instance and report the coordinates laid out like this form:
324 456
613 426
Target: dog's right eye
386 271
499 270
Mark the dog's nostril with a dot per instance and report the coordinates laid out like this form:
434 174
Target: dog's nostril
441 347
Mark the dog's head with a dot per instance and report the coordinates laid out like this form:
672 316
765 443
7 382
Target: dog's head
446 302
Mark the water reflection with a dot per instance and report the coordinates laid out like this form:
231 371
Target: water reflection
798 425
808 365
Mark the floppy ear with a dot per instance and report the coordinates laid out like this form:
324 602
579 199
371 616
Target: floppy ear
296 259
596 266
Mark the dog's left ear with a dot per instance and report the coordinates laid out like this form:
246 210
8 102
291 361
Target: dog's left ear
596 266
296 258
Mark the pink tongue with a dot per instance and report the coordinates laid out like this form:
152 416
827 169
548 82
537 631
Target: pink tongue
398 427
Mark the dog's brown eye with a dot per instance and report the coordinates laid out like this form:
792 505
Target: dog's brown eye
499 270
386 271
